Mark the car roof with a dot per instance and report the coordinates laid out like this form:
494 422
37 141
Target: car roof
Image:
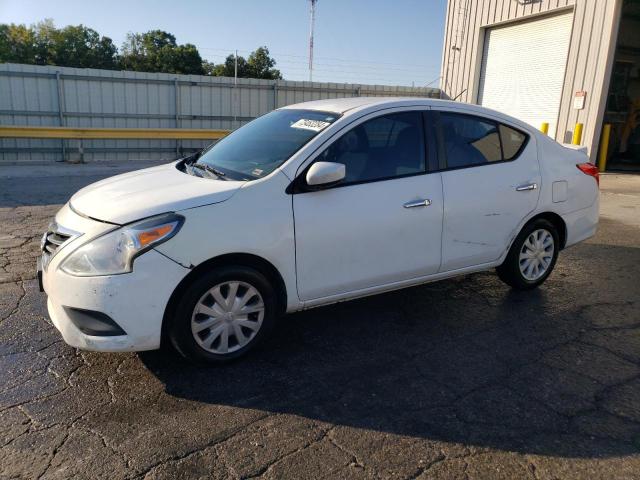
341 105
355 104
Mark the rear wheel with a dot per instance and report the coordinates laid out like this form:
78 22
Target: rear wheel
223 315
532 256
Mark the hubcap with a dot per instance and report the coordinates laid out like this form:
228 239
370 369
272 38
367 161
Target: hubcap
536 254
227 317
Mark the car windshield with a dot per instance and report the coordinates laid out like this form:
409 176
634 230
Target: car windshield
259 147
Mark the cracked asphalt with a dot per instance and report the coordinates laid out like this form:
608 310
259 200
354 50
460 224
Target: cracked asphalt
458 379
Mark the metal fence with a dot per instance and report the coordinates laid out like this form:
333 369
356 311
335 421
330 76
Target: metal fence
73 97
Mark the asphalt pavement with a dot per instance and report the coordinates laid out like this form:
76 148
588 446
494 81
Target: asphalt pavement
462 378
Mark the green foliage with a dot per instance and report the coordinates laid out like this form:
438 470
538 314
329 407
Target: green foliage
227 68
153 51
43 44
79 46
45 36
260 65
17 44
157 51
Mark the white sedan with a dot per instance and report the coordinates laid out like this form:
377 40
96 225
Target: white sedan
310 205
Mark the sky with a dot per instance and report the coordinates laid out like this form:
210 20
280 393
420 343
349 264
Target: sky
391 42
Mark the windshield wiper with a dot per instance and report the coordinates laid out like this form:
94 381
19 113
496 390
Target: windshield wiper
209 169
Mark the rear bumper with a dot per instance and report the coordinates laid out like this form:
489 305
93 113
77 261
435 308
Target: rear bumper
582 224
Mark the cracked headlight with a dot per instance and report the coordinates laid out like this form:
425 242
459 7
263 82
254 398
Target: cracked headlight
113 253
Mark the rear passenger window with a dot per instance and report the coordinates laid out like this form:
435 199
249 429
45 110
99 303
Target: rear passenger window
470 141
512 141
381 148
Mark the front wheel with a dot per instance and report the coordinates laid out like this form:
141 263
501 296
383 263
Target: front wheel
532 256
223 314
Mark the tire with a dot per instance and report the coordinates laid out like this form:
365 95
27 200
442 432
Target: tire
210 318
537 260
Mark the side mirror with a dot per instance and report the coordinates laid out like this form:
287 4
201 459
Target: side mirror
325 173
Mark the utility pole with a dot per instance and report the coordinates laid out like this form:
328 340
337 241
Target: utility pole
235 69
313 19
235 88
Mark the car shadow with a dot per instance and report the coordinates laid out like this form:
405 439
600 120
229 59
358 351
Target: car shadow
465 360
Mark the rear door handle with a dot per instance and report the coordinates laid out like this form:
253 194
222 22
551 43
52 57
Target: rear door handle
418 203
524 188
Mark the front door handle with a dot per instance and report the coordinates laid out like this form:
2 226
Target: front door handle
418 203
524 188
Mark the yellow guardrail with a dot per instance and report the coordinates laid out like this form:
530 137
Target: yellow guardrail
110 133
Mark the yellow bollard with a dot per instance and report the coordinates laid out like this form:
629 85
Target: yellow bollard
544 128
577 134
604 147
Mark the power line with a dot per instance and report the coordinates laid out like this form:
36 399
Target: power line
300 66
349 72
353 69
351 61
334 76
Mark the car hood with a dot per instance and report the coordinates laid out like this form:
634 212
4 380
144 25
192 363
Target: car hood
131 196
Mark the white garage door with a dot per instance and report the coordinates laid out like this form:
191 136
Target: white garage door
523 69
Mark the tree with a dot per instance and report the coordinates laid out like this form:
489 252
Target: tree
79 46
44 44
152 51
17 44
133 55
209 68
187 60
157 51
227 69
260 65
45 38
155 40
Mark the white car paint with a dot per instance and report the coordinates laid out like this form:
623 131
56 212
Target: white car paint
342 247
134 195
327 245
483 207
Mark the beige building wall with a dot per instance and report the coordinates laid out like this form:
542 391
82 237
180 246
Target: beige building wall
589 62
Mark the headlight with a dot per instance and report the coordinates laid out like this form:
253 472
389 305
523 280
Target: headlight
114 252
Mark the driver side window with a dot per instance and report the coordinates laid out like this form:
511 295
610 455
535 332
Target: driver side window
382 148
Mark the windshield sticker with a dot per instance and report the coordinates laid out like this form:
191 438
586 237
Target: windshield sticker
314 125
257 172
